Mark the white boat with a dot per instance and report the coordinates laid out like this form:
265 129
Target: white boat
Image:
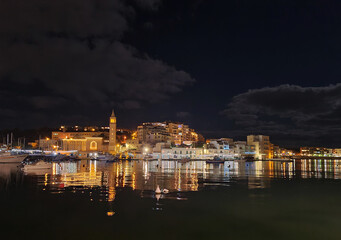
38 168
104 157
7 157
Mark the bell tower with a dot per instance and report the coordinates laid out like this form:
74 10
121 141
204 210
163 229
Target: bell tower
112 133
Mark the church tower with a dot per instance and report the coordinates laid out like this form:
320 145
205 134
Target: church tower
112 133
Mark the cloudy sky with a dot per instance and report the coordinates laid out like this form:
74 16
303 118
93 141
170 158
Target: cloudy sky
227 68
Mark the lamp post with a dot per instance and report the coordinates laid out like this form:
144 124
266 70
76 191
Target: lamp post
145 150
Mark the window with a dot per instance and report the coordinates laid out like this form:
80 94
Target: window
93 145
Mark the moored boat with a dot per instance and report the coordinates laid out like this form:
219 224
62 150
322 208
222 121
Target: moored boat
8 157
105 157
216 159
37 168
184 160
249 159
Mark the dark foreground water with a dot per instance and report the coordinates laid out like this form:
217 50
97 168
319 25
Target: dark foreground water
235 200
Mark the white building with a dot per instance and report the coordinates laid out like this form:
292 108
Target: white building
221 148
180 153
337 152
262 146
239 149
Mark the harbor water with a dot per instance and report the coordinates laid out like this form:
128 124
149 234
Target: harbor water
298 199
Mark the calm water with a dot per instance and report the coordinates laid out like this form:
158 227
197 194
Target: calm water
235 200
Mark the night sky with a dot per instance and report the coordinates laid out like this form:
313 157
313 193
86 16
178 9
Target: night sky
226 68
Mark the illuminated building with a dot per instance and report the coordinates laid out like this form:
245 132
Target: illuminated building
271 151
262 146
47 144
219 148
225 141
84 145
88 140
152 133
180 133
337 152
239 148
176 133
67 135
282 152
277 153
316 152
182 153
112 133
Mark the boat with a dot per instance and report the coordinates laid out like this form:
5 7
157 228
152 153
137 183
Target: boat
280 159
8 157
105 157
184 160
148 157
37 168
216 159
111 159
249 159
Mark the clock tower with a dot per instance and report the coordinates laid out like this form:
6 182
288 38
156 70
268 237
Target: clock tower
112 133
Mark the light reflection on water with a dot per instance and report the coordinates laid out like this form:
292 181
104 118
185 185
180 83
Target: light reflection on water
89 198
174 176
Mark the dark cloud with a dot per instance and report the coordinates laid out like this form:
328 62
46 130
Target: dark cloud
309 112
70 55
22 20
149 4
183 114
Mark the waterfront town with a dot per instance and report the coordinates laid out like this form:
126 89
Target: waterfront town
163 119
159 140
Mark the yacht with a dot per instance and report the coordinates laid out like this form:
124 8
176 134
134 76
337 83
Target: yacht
104 157
37 168
216 159
8 157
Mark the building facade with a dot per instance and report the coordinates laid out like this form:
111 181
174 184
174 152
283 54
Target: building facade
153 133
87 140
57 135
221 148
181 153
239 149
112 133
84 145
261 145
176 133
316 152
180 133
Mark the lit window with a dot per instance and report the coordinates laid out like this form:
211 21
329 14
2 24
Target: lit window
93 145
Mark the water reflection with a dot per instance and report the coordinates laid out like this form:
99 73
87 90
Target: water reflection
177 177
10 174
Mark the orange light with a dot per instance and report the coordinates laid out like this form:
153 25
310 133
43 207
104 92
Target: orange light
110 214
